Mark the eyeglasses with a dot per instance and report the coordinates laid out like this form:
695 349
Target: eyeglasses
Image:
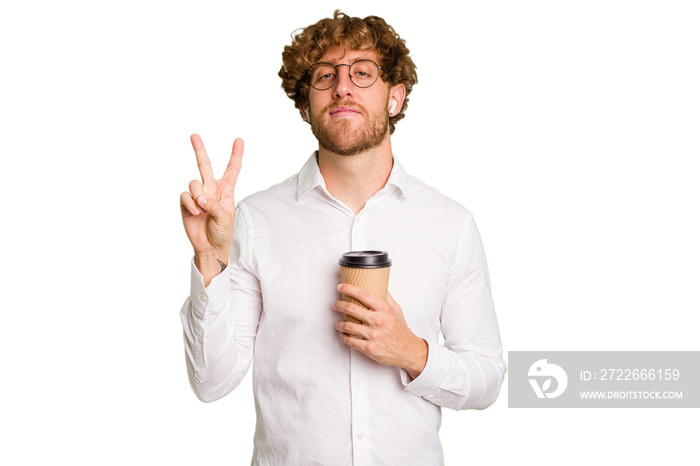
363 73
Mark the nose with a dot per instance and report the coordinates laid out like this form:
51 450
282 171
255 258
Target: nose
343 85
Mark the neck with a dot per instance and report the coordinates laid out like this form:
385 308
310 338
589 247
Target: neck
353 179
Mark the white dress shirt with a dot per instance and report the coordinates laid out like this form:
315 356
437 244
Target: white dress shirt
317 401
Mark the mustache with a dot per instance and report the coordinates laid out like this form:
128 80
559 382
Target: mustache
345 103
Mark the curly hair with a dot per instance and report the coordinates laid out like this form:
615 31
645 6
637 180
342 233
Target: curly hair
352 33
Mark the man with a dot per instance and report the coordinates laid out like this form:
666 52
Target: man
265 275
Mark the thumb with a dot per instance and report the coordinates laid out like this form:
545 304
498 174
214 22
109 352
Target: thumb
211 206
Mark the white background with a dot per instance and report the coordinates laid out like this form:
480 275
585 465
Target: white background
569 129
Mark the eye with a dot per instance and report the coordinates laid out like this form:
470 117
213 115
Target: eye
364 70
322 74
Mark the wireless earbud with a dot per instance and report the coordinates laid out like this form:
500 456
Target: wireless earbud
308 114
393 107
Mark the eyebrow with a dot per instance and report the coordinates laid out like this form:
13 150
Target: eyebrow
351 61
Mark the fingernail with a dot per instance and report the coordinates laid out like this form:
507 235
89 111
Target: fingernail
201 200
339 286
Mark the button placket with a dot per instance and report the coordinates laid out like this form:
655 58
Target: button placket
358 371
360 407
358 236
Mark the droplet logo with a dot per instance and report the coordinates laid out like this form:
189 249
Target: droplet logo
545 372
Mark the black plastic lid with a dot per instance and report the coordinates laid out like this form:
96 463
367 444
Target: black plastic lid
365 259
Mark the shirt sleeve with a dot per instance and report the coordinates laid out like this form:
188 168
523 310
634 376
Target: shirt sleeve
220 321
467 372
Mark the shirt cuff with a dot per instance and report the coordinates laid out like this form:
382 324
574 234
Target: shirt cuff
428 383
210 299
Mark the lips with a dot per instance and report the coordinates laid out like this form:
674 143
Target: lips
344 110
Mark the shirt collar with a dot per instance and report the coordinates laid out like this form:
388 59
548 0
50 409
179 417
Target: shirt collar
310 177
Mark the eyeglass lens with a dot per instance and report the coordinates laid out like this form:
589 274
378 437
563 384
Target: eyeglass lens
363 73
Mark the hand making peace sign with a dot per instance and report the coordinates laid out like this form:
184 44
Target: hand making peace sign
209 211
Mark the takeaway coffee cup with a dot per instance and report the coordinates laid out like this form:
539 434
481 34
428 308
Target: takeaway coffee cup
368 270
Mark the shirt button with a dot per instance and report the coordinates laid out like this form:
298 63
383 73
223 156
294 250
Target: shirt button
203 297
359 381
357 220
360 436
201 339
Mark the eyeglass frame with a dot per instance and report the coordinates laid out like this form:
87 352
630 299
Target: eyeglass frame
308 74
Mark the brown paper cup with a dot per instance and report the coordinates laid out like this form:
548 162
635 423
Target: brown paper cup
368 270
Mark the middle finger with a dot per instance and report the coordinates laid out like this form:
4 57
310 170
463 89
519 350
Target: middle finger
352 310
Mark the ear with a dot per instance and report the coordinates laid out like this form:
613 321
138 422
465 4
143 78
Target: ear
397 93
304 109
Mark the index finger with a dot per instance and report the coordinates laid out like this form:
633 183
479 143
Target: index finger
234 164
365 297
202 158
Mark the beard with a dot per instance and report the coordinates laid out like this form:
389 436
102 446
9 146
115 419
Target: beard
342 138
